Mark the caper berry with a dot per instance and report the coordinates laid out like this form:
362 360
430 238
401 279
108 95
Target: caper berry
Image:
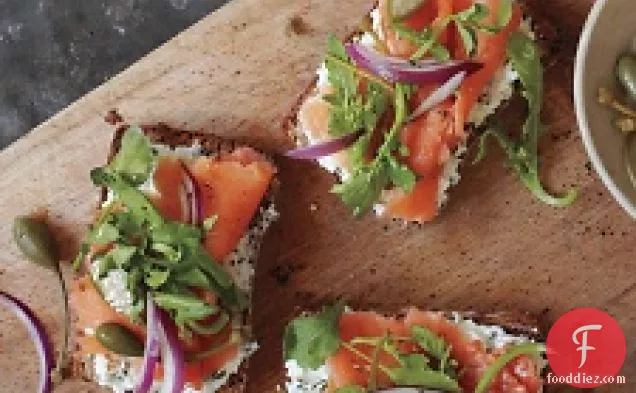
119 339
36 241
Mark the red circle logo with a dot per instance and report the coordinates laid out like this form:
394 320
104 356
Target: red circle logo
586 349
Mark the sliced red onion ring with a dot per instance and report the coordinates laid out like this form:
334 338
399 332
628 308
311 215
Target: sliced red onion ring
399 70
191 204
440 95
323 149
172 357
151 353
37 334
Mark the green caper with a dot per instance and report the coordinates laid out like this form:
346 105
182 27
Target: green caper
626 73
119 340
36 241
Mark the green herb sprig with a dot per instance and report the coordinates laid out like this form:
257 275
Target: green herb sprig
363 188
353 110
522 155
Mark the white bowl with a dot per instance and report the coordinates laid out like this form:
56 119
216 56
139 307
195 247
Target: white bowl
608 31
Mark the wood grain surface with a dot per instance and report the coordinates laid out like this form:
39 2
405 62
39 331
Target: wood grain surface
237 73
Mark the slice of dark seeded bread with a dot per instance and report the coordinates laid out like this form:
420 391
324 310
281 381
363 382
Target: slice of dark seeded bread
211 145
291 124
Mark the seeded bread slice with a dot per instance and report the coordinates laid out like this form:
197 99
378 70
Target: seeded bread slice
491 102
241 265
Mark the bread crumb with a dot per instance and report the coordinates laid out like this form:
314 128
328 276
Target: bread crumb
113 117
298 26
313 207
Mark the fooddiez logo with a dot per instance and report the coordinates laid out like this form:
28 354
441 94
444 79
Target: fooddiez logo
586 348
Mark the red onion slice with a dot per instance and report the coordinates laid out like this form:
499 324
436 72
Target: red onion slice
37 334
191 203
151 353
172 357
323 149
400 70
440 95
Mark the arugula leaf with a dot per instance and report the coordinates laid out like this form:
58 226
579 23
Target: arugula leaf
473 14
426 41
169 252
469 38
135 159
400 174
310 340
426 339
336 48
522 156
156 278
122 254
529 349
425 378
81 255
104 234
470 21
185 308
193 277
364 187
415 369
504 13
213 328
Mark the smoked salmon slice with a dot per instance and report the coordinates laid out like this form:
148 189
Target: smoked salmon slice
167 180
345 367
491 52
91 310
232 188
434 136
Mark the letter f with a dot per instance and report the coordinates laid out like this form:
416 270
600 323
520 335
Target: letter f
584 347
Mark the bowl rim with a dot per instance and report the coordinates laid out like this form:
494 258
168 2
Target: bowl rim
581 115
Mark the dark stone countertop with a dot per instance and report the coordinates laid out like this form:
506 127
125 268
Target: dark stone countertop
54 51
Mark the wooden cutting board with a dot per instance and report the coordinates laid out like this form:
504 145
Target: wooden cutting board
237 73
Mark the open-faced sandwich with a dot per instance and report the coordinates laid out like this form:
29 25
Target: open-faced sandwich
164 302
344 351
392 109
